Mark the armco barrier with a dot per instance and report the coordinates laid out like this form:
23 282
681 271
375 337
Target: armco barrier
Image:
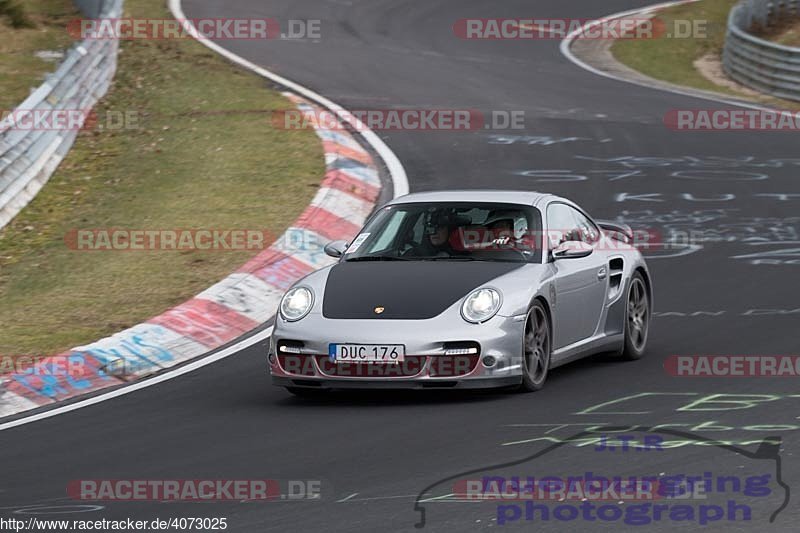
92 8
762 65
236 305
29 156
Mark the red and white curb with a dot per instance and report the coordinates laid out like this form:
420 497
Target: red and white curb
234 306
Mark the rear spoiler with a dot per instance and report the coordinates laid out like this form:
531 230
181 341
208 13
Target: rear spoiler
618 230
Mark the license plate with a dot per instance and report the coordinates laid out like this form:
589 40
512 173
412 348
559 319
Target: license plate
367 353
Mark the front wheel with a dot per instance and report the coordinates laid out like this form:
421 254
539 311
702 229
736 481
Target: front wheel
637 319
536 349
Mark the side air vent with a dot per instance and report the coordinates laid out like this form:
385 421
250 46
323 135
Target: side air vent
615 268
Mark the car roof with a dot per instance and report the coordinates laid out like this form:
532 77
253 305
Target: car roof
473 195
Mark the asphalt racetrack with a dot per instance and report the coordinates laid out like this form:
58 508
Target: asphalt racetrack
598 141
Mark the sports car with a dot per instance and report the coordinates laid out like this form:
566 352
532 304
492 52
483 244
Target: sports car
464 289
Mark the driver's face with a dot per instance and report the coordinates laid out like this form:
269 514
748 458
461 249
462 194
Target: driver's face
440 236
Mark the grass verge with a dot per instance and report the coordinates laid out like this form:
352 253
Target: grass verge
673 60
28 27
203 155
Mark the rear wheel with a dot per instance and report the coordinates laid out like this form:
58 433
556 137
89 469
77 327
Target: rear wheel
637 319
536 349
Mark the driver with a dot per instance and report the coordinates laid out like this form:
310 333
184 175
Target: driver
439 237
507 225
502 231
436 241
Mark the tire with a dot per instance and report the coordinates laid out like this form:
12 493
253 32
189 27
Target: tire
536 348
637 319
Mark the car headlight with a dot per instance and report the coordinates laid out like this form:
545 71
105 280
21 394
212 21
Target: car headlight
481 305
297 303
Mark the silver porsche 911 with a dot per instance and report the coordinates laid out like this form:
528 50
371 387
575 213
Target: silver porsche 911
464 289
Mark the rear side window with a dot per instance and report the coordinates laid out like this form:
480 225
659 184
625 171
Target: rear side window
565 223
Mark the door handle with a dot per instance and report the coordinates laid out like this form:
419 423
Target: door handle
601 274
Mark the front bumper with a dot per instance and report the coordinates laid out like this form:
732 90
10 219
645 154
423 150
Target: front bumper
427 364
418 384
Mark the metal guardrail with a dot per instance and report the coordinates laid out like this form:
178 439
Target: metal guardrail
762 65
30 155
92 8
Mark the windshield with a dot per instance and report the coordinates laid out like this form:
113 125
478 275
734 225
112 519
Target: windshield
450 232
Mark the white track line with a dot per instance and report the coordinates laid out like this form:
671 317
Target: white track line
569 39
399 184
138 385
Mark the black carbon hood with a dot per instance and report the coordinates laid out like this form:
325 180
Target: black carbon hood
405 289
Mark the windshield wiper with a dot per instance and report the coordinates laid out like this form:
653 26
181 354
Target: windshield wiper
375 258
526 254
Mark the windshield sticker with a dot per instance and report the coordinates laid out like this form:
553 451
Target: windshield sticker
357 243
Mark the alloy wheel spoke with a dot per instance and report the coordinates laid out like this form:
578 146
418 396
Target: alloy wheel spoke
637 312
536 343
530 340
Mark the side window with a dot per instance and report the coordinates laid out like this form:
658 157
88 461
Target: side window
589 232
561 226
568 224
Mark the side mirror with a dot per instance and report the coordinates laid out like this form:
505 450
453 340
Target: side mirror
572 250
336 248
